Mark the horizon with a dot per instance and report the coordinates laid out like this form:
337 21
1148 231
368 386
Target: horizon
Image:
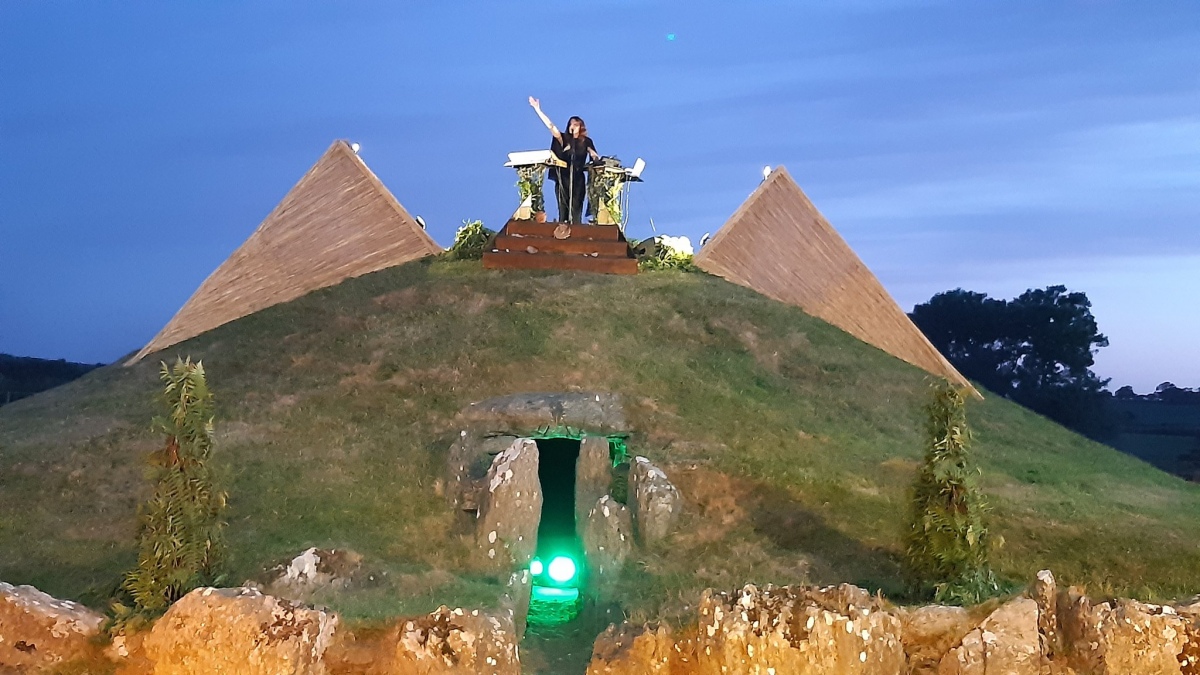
994 149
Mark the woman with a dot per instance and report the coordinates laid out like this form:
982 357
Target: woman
574 148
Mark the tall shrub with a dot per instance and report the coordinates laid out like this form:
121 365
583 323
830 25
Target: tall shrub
947 542
180 543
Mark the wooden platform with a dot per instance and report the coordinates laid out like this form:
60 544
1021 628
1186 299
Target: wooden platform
526 244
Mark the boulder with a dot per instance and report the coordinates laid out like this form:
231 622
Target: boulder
467 464
656 501
1189 658
1006 643
523 413
929 633
607 540
39 631
593 473
1120 636
515 601
454 641
632 650
842 631
511 509
1044 592
239 630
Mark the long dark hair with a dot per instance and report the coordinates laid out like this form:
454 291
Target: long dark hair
582 126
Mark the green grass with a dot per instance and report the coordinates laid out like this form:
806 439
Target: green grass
794 444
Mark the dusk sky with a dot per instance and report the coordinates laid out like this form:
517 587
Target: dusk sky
993 146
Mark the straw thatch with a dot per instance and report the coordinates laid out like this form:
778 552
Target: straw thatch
778 244
338 222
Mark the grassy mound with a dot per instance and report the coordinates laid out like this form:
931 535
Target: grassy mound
793 443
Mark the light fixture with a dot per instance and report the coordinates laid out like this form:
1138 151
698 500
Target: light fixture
766 171
355 147
536 567
561 569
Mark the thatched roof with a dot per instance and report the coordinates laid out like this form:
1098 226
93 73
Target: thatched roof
778 244
338 222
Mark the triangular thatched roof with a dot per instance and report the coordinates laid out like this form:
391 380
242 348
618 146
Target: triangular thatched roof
338 222
778 244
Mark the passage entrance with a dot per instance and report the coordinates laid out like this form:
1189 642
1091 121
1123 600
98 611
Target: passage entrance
557 567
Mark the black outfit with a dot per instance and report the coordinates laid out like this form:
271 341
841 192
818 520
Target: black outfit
570 185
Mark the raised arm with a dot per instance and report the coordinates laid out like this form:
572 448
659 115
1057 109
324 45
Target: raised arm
537 108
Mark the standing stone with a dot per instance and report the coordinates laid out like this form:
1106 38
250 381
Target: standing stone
1189 658
512 508
1006 643
239 630
39 631
1045 593
593 473
457 642
657 501
607 540
930 632
515 600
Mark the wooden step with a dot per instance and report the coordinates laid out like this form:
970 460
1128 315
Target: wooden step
611 249
499 260
533 228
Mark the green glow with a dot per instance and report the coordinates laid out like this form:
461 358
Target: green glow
552 594
536 567
562 569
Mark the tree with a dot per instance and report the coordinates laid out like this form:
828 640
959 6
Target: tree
180 543
947 544
1036 349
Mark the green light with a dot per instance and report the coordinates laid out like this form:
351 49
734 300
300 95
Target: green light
536 567
562 569
551 594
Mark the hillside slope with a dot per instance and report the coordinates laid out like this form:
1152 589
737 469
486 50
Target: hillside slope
793 443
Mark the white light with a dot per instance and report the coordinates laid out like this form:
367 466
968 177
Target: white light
535 567
421 222
704 240
355 147
766 171
562 569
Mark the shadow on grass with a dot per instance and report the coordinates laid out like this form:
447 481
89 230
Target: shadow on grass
835 557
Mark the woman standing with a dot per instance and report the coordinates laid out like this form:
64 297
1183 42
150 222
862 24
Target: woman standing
574 148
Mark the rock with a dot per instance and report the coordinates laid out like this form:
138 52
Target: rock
1121 636
607 540
1006 643
629 650
459 642
1189 658
657 502
521 414
593 473
512 508
467 464
1044 592
794 630
238 630
313 570
515 600
929 633
38 631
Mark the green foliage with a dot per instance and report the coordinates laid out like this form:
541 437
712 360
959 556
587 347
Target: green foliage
604 190
471 241
529 184
947 544
665 253
180 542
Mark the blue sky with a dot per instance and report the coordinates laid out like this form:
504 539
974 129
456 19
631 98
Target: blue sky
994 146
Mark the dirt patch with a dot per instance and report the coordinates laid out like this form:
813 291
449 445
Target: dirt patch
405 298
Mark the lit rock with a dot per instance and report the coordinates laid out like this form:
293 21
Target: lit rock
1006 643
593 473
38 631
511 508
450 641
1044 592
656 501
930 632
635 650
607 540
1121 636
313 570
239 630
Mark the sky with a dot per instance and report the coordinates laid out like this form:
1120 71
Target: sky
992 146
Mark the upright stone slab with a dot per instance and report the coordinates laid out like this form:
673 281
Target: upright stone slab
511 509
656 501
593 473
457 642
1006 643
607 540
